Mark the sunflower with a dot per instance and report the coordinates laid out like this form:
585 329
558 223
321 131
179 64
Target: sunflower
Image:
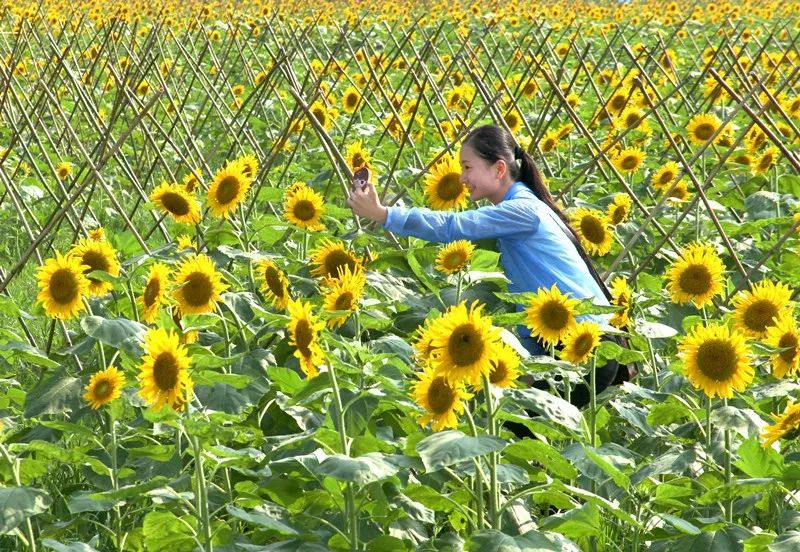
550 314
351 99
304 208
96 255
62 286
764 161
697 276
464 342
198 285
191 181
63 170
164 372
549 142
621 294
513 120
665 175
504 367
344 294
629 160
580 342
441 399
248 165
784 335
303 330
175 200
592 227
324 115
97 234
619 209
154 294
275 285
357 156
185 241
423 343
104 387
633 118
716 360
443 187
228 189
330 257
452 257
529 89
786 423
679 193
756 310
702 127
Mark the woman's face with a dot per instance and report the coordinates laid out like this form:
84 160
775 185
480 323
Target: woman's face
482 178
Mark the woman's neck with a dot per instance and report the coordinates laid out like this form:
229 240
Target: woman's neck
501 192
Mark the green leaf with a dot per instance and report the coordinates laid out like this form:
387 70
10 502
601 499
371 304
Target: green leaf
576 523
680 524
82 501
788 542
71 547
653 330
532 541
743 421
25 353
757 461
360 470
120 333
545 455
551 407
265 517
20 503
52 395
165 532
608 462
446 448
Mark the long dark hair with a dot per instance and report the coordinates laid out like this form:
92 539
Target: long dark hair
493 143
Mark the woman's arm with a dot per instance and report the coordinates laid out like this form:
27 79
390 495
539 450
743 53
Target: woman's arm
513 216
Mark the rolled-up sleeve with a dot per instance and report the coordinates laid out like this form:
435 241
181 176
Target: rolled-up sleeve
507 218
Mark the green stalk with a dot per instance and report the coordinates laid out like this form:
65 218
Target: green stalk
458 288
14 463
593 403
478 479
201 492
729 504
494 489
114 476
350 504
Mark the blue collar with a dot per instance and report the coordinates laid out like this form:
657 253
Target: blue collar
514 189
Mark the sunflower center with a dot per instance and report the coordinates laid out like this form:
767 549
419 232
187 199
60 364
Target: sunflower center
449 187
96 261
499 372
632 119
273 279
303 337
765 161
151 291
63 286
165 371
618 214
695 280
357 160
592 229
529 89
788 340
618 102
320 115
465 345
666 177
441 396
704 131
102 389
248 170
759 315
583 344
304 210
228 189
197 289
511 120
455 259
175 203
351 100
554 315
717 360
344 301
336 261
629 162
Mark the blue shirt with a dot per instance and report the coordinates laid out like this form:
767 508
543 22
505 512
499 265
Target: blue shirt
534 250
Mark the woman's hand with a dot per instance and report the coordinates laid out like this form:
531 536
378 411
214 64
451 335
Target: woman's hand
364 202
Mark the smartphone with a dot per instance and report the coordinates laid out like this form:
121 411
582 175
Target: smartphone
361 177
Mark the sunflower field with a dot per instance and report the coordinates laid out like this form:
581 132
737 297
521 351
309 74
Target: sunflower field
202 348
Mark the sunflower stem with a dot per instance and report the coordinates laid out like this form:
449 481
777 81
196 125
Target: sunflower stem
201 490
14 463
729 503
593 403
494 491
112 429
478 479
708 424
460 280
350 513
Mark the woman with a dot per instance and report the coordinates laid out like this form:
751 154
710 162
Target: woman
538 247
